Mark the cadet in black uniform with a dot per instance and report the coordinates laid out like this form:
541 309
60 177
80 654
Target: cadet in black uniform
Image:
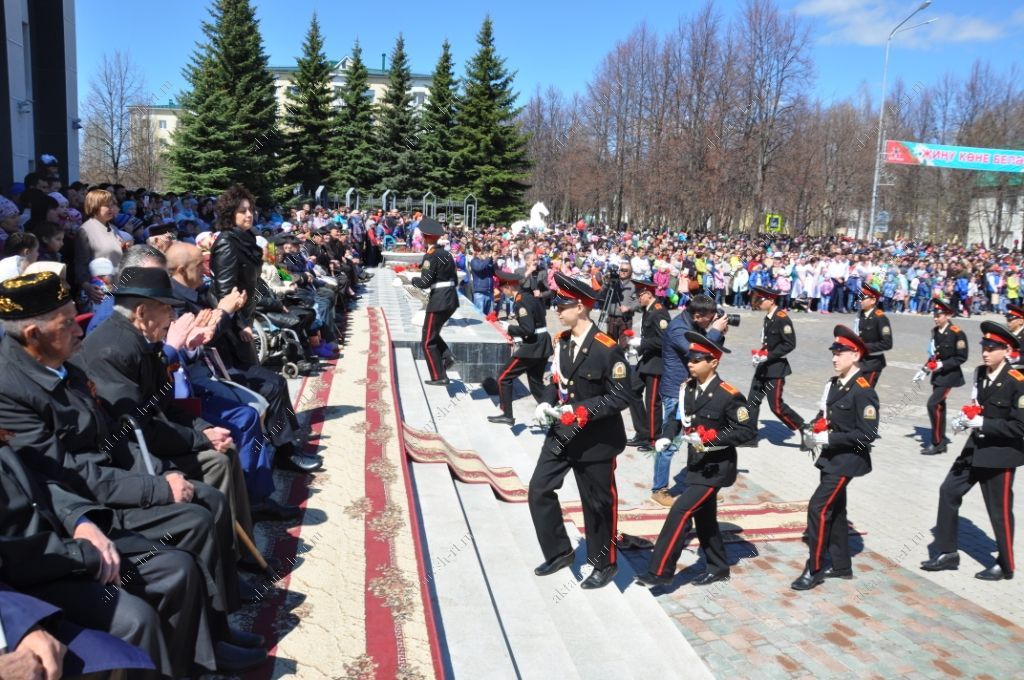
437 274
715 418
531 357
771 366
585 435
994 450
847 424
949 350
1015 322
875 331
645 407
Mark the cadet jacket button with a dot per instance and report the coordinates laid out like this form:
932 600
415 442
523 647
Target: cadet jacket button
572 394
572 382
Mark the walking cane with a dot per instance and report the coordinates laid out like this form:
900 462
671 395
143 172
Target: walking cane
147 460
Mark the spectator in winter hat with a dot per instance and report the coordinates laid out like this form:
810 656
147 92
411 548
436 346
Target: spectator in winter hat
8 218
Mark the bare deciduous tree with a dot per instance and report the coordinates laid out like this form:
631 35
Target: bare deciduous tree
106 149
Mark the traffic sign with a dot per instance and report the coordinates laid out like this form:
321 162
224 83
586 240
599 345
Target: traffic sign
882 218
773 222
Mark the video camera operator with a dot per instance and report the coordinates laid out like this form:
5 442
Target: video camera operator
622 301
702 316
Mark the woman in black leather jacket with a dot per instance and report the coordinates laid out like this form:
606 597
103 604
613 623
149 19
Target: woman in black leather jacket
235 262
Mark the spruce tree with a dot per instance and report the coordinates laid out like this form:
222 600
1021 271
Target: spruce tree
437 124
245 69
356 164
207 142
490 158
397 130
310 121
229 131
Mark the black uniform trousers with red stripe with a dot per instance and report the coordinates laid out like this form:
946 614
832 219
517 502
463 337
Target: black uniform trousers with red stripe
937 413
434 346
996 489
827 529
598 495
771 389
645 407
699 503
534 370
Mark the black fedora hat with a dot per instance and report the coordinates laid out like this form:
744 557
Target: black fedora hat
147 282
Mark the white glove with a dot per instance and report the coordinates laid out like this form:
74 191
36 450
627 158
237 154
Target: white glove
504 325
757 359
634 342
975 423
662 444
821 438
920 375
938 365
692 439
397 282
544 415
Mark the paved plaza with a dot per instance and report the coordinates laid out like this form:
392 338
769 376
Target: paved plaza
892 620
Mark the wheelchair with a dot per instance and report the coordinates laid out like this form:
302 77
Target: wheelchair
277 342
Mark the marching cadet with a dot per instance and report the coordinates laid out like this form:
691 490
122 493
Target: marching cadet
843 429
875 331
714 419
949 351
438 275
531 357
990 457
585 434
645 407
770 364
1015 322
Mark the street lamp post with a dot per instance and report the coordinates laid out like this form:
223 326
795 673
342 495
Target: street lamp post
881 109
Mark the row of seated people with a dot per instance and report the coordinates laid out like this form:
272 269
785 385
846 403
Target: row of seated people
143 542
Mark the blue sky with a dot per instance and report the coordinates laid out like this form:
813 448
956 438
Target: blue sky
559 43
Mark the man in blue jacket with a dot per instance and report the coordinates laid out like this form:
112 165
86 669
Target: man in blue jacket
482 267
698 316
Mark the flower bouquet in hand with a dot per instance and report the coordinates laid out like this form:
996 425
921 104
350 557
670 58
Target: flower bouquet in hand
968 418
700 437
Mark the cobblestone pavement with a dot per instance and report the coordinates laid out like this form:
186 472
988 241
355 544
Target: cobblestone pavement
892 620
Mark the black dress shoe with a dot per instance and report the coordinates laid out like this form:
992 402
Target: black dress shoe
243 638
599 578
935 450
808 580
298 462
440 382
501 420
555 564
708 577
272 511
636 441
749 444
645 447
994 573
845 574
650 580
234 659
942 562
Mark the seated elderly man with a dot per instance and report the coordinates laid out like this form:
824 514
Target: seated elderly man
185 264
49 413
125 360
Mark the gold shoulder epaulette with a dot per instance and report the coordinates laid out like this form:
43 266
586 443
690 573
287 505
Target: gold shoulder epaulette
1016 375
781 314
604 340
955 329
863 382
879 312
729 388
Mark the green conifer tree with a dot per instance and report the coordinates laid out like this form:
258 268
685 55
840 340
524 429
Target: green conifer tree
438 125
398 130
356 165
490 159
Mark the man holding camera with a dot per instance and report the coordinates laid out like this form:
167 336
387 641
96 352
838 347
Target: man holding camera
622 301
700 316
645 407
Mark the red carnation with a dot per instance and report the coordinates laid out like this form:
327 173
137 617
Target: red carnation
628 333
492 316
706 434
972 410
932 364
399 269
820 425
568 418
582 415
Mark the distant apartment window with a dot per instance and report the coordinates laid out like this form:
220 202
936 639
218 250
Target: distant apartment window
369 94
293 91
163 125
